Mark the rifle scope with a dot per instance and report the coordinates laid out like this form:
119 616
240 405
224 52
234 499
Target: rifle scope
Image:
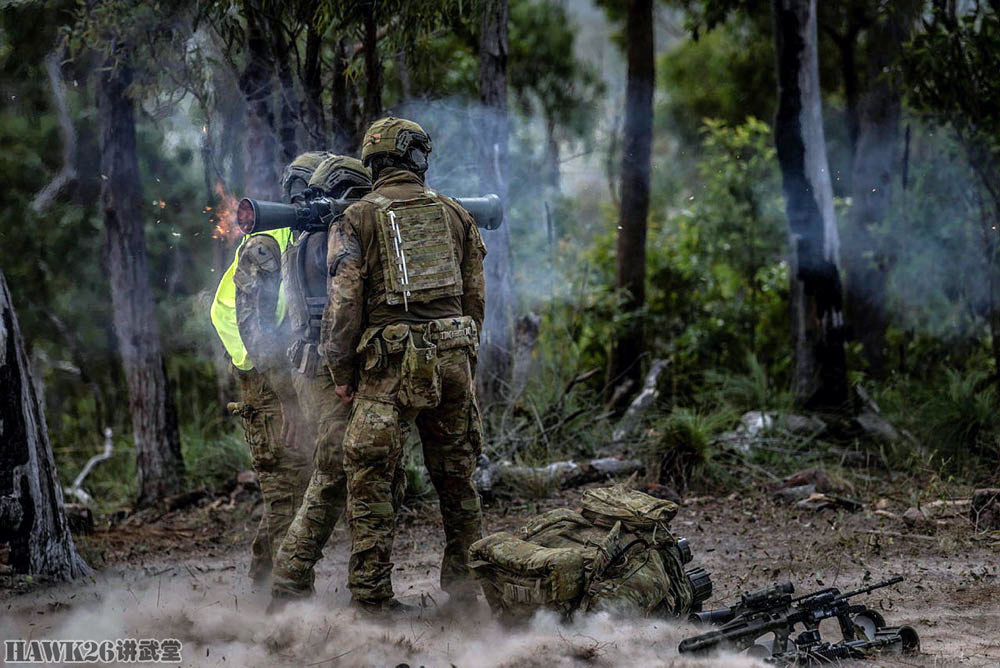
257 215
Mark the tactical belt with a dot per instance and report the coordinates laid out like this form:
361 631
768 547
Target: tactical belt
377 343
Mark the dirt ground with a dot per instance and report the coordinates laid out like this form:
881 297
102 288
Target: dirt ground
183 576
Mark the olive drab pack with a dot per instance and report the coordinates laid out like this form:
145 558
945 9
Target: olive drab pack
304 276
419 257
616 554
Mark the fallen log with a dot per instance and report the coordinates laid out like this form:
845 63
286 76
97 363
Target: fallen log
491 477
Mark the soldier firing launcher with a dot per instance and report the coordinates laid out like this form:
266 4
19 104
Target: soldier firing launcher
312 211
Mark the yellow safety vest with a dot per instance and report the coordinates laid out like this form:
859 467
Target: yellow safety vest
223 311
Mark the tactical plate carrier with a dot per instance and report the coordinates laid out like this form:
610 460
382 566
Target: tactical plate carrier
419 258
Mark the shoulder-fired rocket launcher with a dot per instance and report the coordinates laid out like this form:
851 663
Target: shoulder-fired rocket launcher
312 213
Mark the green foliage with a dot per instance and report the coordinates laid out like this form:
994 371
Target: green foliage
951 70
957 418
212 461
753 389
566 90
683 451
725 75
719 278
717 286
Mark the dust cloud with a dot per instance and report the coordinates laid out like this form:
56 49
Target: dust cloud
221 620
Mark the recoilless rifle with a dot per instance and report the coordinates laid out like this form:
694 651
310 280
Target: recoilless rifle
312 211
775 611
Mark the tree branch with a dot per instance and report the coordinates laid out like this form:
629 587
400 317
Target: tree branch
67 174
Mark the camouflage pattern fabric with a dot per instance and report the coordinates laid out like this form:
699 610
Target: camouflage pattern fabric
325 497
393 136
280 440
567 561
354 277
281 472
451 437
439 392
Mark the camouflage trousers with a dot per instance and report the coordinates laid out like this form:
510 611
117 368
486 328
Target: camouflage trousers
451 437
283 471
325 497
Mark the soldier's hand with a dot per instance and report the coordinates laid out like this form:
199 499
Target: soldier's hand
345 392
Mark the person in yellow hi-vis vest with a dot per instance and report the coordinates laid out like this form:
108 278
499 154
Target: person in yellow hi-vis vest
249 315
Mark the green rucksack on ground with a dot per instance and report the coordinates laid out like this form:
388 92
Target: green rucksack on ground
616 554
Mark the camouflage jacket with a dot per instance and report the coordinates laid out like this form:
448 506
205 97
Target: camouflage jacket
353 255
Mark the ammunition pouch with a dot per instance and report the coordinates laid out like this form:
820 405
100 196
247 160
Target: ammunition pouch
420 381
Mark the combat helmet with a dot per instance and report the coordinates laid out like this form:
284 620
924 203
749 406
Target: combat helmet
395 137
341 177
298 172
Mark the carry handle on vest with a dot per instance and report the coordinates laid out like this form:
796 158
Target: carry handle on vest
257 215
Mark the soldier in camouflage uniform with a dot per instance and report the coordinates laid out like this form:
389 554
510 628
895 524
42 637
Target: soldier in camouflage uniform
304 275
280 440
400 334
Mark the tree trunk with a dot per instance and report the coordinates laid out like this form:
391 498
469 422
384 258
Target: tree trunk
33 522
256 84
312 86
343 114
876 160
159 466
624 364
495 357
373 67
816 292
289 106
553 156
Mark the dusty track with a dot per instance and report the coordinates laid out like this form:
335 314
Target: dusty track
198 593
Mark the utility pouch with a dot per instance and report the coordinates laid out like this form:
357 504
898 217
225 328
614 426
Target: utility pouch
395 337
372 349
420 385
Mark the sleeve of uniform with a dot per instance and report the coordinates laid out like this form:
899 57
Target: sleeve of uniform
258 281
342 320
473 280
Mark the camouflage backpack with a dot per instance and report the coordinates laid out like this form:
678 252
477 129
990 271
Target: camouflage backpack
616 554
